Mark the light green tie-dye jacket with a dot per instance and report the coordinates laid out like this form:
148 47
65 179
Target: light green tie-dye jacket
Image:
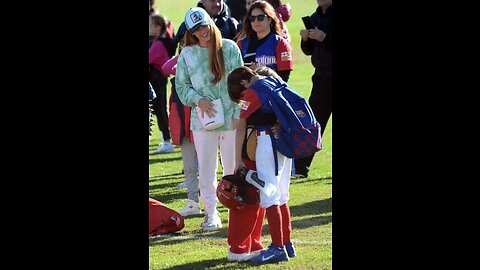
193 80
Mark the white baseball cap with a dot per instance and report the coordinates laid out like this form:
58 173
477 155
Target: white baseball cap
196 17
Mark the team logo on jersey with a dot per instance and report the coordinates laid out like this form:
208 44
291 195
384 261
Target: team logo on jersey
245 104
285 56
300 113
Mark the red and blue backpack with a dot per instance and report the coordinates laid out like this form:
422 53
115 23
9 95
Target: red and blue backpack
299 133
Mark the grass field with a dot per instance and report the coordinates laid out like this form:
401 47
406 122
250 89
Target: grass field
310 199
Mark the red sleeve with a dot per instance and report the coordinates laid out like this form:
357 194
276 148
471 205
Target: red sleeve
239 44
284 56
250 103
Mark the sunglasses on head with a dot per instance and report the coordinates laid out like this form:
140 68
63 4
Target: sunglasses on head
260 18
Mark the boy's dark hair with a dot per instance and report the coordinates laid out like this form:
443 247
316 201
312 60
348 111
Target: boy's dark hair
235 89
266 71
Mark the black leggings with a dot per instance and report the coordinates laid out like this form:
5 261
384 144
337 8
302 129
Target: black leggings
159 104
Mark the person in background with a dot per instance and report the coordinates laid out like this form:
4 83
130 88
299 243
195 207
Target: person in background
237 9
248 3
170 30
262 44
284 12
179 121
201 76
318 43
160 51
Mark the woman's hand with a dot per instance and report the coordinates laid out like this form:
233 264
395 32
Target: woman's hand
316 34
304 33
206 106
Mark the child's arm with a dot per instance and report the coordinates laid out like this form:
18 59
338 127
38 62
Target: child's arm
240 136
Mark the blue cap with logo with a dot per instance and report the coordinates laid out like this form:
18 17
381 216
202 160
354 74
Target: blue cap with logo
196 17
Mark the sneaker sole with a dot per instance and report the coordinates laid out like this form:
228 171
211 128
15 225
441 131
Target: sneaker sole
190 214
163 152
213 228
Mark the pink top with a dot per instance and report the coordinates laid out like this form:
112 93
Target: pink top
157 55
170 67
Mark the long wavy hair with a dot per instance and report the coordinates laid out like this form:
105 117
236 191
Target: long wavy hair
217 65
268 9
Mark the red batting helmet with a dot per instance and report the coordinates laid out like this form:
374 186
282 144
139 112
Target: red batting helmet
234 192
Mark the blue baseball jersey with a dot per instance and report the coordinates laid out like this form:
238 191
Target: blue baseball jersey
274 52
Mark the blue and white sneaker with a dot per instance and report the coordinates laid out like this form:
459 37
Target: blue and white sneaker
271 255
290 250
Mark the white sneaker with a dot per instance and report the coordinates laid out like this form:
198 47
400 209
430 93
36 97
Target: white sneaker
182 185
163 148
239 257
191 208
211 222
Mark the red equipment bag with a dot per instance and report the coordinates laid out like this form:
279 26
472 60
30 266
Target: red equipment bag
163 220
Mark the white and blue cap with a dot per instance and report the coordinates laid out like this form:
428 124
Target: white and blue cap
196 17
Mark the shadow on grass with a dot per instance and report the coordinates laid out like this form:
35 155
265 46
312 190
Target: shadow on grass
296 181
161 186
163 160
211 263
173 176
168 198
311 222
312 208
192 236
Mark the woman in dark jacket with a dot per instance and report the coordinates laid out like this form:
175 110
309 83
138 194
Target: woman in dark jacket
318 43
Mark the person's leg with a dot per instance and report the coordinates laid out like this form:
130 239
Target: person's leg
256 244
273 212
190 168
241 224
323 104
159 85
159 105
285 210
206 145
227 151
162 116
265 163
284 172
274 218
287 229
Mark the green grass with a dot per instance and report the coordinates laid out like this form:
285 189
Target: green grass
310 199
